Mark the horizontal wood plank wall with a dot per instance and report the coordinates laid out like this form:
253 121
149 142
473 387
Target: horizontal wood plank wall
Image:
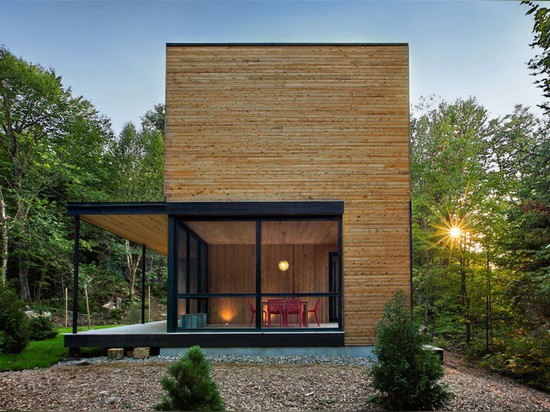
275 123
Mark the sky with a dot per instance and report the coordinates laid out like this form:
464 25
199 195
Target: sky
113 52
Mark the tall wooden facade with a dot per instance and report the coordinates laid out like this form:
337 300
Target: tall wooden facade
311 122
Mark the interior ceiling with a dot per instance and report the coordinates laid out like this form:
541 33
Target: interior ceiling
152 231
273 232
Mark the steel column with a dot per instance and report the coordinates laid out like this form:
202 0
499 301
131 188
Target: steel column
143 284
76 259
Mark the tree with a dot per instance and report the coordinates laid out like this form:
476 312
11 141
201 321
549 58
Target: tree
448 187
191 388
41 128
153 120
406 374
541 63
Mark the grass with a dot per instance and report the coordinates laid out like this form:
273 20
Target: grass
44 353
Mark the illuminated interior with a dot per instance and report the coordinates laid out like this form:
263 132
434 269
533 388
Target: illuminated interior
222 282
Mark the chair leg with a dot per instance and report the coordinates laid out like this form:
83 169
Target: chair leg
251 318
317 319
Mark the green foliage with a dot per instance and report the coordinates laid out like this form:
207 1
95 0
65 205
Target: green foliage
134 313
41 328
191 388
407 375
38 354
541 63
13 322
525 356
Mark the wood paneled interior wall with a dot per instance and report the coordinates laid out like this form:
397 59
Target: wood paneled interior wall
232 269
314 122
307 273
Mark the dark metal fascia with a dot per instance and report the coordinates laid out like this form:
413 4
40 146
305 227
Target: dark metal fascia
283 44
137 208
258 209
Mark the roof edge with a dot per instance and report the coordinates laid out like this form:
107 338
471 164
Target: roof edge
116 208
280 44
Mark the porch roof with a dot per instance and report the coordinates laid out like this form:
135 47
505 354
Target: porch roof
147 223
142 223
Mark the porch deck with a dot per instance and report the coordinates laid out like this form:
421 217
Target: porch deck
154 335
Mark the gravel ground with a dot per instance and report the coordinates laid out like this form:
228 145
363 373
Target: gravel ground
247 383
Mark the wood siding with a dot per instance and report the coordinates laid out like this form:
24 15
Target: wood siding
326 122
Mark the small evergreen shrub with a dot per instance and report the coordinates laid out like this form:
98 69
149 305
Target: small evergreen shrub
41 328
190 388
13 322
406 374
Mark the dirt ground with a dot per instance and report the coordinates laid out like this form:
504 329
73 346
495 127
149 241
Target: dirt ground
254 387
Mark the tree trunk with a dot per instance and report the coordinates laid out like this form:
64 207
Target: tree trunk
23 280
488 320
465 301
133 265
38 293
4 223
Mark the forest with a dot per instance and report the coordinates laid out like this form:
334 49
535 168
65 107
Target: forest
480 189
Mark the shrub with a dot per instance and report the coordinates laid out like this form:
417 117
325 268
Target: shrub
13 322
192 388
41 328
406 374
134 313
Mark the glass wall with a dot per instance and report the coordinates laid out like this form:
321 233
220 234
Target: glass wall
229 271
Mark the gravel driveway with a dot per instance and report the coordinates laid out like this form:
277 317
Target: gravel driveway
300 385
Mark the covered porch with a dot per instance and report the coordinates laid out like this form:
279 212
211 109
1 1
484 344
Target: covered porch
239 273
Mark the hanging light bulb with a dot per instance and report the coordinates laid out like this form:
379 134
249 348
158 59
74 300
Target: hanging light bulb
283 265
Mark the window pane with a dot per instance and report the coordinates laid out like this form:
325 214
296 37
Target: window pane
231 254
295 255
182 260
221 313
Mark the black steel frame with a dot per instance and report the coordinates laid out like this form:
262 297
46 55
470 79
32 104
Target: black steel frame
258 295
281 44
259 211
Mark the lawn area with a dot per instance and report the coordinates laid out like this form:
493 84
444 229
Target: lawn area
40 354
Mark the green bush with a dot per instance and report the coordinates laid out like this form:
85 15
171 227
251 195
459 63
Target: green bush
40 328
191 388
406 374
523 356
13 322
134 313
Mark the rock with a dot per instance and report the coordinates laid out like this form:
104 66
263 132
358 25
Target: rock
112 400
34 314
141 353
115 353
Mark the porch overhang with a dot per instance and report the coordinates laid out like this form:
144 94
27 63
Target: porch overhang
142 223
147 223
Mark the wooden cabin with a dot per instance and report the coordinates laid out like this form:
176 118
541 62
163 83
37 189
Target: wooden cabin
287 184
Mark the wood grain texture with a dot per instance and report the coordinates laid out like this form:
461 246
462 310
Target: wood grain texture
148 230
280 123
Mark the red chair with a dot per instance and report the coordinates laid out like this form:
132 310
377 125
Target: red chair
253 312
294 307
275 307
315 311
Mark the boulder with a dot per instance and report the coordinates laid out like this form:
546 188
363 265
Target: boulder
115 353
141 353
